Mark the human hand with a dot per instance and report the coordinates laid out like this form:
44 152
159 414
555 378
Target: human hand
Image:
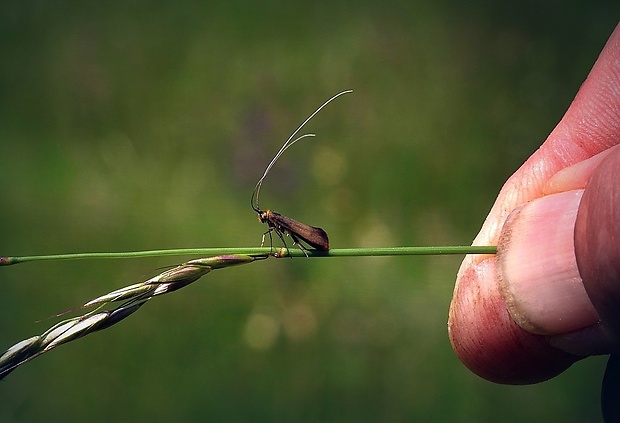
551 296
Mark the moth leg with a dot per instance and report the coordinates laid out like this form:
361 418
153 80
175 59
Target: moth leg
268 232
299 244
280 234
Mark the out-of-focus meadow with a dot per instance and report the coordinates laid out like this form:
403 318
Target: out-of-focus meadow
144 125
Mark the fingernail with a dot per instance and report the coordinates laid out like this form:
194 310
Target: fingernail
537 268
576 176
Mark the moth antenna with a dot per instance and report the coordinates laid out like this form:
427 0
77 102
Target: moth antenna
289 142
259 184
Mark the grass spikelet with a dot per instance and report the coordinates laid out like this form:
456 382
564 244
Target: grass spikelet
133 297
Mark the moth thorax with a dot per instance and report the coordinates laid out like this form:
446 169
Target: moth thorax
263 216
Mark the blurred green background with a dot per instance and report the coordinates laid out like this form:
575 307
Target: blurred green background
142 125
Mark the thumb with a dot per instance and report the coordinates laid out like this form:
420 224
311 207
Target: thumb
560 260
597 245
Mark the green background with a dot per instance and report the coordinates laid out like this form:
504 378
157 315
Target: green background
141 125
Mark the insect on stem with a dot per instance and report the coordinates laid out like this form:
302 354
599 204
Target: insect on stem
299 232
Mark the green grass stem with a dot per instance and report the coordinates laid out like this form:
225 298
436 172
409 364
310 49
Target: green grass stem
258 251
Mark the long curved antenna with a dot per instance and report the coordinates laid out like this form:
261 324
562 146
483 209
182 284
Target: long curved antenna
289 142
260 181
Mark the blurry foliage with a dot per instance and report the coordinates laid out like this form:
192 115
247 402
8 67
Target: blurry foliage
140 125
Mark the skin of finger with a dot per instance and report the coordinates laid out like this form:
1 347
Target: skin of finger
591 125
597 246
502 355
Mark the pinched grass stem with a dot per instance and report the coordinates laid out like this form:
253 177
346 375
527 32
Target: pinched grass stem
282 252
135 296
